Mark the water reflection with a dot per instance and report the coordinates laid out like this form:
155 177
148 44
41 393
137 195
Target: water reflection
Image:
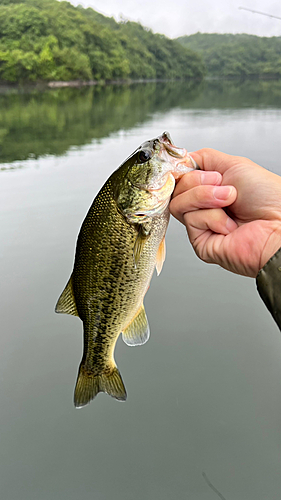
232 94
38 123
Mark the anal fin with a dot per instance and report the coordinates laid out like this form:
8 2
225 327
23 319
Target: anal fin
137 331
66 303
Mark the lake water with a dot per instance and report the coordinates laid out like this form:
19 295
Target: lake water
204 394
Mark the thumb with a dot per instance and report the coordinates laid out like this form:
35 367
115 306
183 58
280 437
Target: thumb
211 159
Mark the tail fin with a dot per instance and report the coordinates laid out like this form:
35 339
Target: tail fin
89 385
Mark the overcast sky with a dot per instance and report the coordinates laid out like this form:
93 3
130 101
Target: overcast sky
184 17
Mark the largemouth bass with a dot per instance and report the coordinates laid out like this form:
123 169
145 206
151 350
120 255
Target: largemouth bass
121 241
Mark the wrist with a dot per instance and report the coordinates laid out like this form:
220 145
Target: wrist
273 244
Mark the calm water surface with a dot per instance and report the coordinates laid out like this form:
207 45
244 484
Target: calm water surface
204 394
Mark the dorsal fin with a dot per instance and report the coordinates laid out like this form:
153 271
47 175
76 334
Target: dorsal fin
66 303
137 331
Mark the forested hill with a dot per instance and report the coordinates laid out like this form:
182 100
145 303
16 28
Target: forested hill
237 55
51 40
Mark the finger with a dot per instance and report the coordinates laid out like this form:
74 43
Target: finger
215 220
211 159
202 197
196 178
207 230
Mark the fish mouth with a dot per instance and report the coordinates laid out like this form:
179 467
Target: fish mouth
179 158
171 159
166 140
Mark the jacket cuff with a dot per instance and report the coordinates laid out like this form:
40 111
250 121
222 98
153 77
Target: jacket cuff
268 283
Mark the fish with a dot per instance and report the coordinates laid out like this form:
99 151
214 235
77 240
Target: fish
120 243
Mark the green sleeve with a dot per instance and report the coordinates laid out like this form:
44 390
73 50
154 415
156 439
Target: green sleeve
269 286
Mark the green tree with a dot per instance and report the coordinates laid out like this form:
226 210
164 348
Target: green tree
237 55
53 40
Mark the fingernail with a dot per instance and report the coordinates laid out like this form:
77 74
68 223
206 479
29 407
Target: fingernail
222 192
230 224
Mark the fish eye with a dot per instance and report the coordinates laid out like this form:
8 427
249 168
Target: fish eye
144 155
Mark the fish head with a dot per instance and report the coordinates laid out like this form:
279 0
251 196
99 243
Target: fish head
149 177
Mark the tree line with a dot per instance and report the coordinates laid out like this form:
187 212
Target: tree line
52 40
241 55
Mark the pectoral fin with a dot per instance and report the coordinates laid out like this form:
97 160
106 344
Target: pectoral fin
66 303
161 254
137 332
142 237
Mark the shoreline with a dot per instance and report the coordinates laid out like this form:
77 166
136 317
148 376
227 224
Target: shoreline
89 83
41 85
6 86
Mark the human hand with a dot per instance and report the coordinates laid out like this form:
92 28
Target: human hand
232 211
